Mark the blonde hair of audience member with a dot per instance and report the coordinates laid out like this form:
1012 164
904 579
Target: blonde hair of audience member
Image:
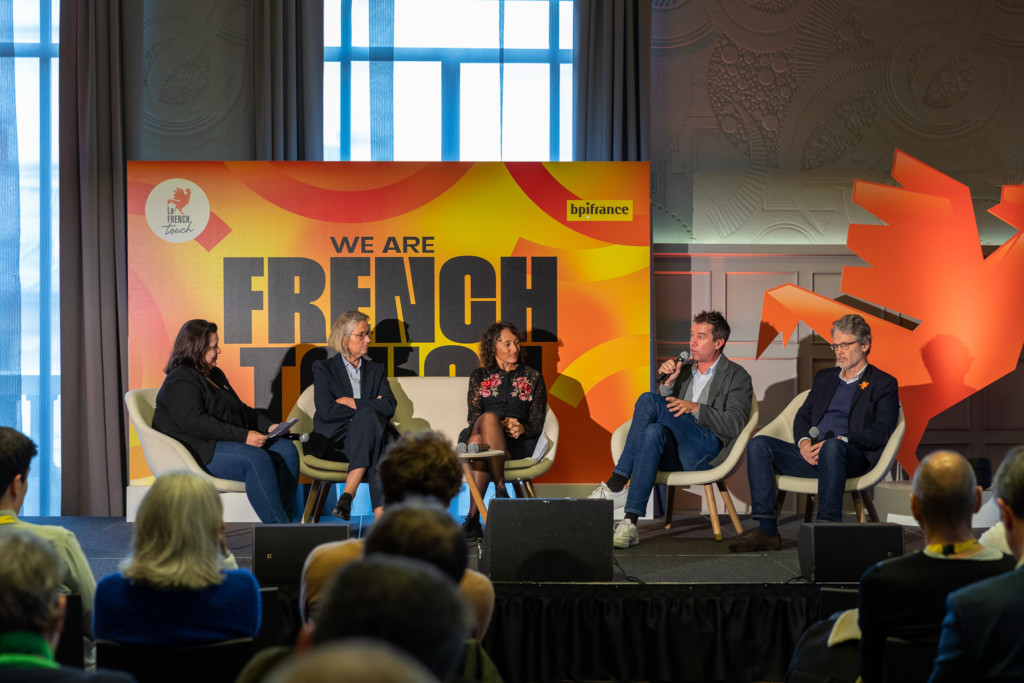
358 660
342 329
31 576
177 534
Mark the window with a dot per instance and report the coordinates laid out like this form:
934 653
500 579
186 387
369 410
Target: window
29 338
448 80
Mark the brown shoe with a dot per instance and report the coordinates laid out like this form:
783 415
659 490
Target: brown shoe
754 541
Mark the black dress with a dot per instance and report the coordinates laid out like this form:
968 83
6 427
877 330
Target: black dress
520 394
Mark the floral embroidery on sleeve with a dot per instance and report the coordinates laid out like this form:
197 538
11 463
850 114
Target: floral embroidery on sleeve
490 384
522 388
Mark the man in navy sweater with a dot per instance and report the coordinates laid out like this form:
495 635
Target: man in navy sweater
853 409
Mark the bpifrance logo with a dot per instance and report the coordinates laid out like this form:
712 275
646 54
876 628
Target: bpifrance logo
599 210
177 210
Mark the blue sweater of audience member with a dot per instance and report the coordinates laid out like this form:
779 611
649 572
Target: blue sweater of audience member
129 612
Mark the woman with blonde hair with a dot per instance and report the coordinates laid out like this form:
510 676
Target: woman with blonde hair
181 586
354 407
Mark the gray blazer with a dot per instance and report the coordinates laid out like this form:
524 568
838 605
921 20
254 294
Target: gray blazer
726 406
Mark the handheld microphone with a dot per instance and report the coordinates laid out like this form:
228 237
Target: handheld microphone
682 358
814 433
304 437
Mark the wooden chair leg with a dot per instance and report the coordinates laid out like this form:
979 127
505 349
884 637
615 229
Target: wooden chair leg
473 491
780 498
727 499
321 500
314 489
530 491
858 505
809 509
716 526
869 502
670 503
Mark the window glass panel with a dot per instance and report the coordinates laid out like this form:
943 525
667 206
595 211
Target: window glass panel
446 23
526 24
30 110
360 137
417 111
360 23
565 113
332 23
565 25
526 112
479 113
332 111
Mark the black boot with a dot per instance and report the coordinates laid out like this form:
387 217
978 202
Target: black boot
471 528
343 510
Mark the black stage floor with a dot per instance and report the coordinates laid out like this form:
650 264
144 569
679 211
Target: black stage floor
680 607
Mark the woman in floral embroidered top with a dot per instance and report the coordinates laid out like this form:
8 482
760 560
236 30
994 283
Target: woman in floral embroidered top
507 406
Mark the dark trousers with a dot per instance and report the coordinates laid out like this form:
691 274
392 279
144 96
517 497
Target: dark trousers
361 442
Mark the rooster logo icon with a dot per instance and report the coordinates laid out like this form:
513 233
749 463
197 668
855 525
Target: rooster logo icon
180 199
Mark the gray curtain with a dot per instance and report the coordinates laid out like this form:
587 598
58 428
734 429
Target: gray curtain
97 40
288 87
106 67
612 70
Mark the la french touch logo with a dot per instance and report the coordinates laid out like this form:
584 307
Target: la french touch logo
177 210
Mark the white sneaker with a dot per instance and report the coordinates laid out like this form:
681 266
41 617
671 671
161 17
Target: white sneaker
625 535
604 493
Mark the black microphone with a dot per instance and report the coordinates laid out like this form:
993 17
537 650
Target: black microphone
814 433
682 358
304 437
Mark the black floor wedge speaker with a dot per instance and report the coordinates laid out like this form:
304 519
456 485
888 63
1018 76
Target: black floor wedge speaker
279 550
840 553
548 539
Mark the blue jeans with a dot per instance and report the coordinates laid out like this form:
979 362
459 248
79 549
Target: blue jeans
658 440
837 462
271 475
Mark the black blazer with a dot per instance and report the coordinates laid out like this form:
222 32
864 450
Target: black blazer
193 411
331 381
873 414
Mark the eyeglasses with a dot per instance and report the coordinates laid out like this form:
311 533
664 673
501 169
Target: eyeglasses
842 345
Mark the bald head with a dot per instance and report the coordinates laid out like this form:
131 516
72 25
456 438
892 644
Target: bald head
945 490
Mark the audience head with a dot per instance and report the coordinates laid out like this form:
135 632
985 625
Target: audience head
423 530
719 325
354 661
177 534
31 576
945 491
489 342
16 452
1009 487
343 328
421 464
192 346
402 601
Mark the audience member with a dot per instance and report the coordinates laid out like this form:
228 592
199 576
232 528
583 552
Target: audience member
423 530
399 600
16 452
176 588
905 597
980 639
354 661
32 612
423 465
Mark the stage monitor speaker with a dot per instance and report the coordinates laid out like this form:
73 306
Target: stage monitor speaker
840 553
548 539
280 550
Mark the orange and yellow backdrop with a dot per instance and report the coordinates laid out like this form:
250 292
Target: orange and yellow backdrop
432 252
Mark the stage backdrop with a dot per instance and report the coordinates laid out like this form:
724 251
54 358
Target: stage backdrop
432 252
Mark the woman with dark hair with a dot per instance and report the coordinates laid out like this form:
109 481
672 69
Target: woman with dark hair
197 406
507 406
354 407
